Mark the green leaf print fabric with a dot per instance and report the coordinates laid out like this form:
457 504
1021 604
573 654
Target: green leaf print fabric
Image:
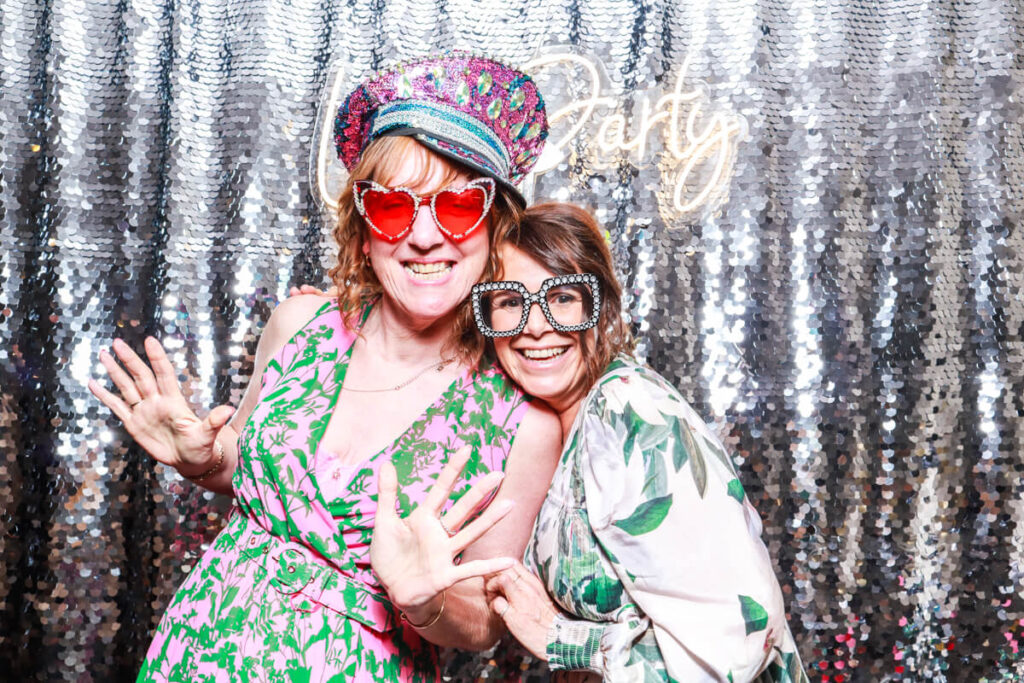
649 544
285 592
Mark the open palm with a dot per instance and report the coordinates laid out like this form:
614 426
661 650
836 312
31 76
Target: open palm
153 409
414 557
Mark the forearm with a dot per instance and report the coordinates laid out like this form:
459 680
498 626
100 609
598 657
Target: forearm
466 622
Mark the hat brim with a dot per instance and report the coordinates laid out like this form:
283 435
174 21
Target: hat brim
428 139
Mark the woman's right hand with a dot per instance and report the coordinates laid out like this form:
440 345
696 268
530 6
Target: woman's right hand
154 411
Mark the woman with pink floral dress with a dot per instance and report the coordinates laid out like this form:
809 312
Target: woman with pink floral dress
369 411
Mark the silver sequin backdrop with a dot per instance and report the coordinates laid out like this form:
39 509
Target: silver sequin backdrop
844 304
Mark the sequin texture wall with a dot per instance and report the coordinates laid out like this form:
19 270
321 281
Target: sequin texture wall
845 305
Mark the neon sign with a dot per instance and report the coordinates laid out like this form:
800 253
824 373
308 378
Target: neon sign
694 153
697 148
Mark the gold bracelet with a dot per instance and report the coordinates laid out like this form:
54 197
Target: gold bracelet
444 596
219 450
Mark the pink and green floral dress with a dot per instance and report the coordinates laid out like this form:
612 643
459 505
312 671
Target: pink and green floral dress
286 592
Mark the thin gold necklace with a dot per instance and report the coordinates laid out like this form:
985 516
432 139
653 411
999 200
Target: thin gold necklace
439 366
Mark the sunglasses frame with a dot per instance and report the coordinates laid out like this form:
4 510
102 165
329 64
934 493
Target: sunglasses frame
361 187
539 297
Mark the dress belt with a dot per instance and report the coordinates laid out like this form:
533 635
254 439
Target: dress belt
296 570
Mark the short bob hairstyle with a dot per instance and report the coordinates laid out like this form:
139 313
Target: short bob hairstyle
566 239
354 277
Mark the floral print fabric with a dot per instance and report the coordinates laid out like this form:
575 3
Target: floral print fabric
286 592
649 544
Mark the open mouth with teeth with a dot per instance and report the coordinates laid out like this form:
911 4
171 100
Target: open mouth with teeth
543 354
428 271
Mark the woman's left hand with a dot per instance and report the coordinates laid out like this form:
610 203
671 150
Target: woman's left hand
414 556
520 599
311 289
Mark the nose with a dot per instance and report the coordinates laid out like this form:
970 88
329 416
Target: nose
536 323
425 235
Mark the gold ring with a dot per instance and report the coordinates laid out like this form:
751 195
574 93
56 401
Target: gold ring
507 606
132 405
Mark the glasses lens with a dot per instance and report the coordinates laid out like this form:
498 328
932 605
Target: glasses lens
571 304
390 211
502 309
460 211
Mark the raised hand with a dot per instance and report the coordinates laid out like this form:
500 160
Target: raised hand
414 557
153 410
519 598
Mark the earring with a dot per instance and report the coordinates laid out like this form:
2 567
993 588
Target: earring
366 261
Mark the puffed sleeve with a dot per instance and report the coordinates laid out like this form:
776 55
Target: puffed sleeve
668 510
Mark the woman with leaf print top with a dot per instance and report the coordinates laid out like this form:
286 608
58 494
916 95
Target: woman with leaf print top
649 555
324 572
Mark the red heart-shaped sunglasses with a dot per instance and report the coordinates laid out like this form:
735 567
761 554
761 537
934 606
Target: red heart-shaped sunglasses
390 212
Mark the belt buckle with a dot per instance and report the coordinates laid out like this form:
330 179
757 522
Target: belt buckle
292 573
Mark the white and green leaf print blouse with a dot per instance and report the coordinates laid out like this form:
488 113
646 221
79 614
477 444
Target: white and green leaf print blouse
648 543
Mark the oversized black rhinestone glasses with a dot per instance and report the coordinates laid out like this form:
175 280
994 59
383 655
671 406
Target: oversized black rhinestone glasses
571 303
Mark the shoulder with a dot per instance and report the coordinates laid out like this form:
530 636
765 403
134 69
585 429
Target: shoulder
636 411
628 388
642 421
290 316
635 437
294 312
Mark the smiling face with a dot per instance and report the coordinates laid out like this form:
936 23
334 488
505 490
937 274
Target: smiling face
425 275
546 363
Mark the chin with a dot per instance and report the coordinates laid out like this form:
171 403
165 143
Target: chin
545 394
428 296
547 388
431 310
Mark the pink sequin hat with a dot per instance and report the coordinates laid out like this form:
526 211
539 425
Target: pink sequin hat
477 111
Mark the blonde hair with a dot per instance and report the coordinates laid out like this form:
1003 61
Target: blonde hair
353 276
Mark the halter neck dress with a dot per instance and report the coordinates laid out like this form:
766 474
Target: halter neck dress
285 592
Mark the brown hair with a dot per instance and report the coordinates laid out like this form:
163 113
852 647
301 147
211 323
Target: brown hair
566 239
353 276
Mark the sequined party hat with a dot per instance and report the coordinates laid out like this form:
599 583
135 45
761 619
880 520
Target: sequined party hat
475 110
